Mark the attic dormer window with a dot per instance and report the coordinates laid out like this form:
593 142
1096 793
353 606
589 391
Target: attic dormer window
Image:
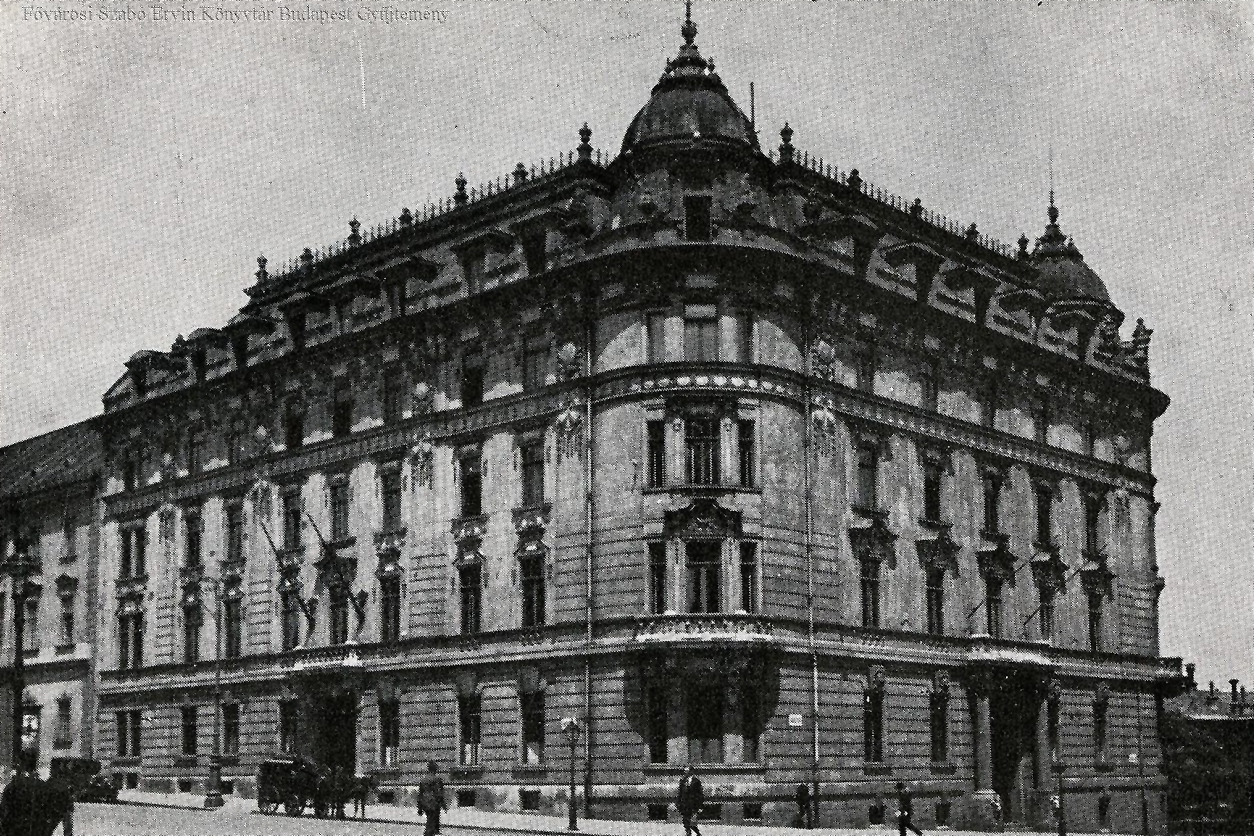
535 251
697 217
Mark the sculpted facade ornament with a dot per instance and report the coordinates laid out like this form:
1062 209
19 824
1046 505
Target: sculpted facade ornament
422 457
567 428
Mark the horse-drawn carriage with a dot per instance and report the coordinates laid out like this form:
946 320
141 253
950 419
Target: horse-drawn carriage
297 783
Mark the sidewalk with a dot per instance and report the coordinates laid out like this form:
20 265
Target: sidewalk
470 818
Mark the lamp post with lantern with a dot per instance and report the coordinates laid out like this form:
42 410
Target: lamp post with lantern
213 795
572 729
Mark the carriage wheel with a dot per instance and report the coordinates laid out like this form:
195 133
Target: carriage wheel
267 806
294 805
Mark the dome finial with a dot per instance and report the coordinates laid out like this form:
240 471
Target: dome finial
689 29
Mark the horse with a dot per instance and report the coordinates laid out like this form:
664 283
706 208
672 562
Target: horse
360 791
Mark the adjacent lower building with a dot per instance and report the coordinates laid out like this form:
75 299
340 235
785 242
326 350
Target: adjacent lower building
49 505
692 454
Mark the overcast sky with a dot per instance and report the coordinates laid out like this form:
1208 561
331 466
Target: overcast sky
146 163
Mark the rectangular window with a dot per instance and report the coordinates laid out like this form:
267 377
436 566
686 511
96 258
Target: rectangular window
389 609
1099 730
1044 515
471 577
532 456
472 379
290 613
63 733
933 479
129 733
30 639
234 532
468 725
697 217
870 577
535 251
472 485
746 437
130 641
1088 439
232 627
389 732
289 725
1046 613
865 496
338 627
701 333
705 723
749 577
992 604
189 730
657 578
392 494
230 729
744 337
936 601
393 395
1095 620
930 385
291 520
532 569
939 722
704 579
67 636
656 698
535 366
191 634
865 368
195 450
657 454
1040 420
701 448
655 335
531 708
130 472
69 534
1092 515
339 510
342 408
751 722
988 405
294 427
873 726
992 499
192 529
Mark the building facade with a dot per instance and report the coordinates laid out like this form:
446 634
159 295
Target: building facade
729 456
49 511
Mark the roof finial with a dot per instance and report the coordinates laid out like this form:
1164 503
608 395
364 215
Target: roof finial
689 29
1053 210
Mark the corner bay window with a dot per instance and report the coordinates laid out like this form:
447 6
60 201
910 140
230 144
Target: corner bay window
704 578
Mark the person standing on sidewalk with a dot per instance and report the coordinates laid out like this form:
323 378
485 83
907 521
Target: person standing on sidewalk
905 809
690 801
431 798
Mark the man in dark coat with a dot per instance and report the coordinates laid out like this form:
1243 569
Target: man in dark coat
905 809
29 806
690 800
431 798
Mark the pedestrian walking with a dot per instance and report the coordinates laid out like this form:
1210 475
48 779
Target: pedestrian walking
431 798
690 800
803 807
905 809
29 805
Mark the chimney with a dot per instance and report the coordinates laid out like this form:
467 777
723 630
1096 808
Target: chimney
1189 670
1233 683
1213 696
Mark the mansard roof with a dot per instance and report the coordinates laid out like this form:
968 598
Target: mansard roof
62 457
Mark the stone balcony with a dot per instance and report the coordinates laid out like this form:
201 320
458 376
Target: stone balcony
704 629
314 660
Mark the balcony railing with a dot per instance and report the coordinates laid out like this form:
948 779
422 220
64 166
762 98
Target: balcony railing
715 628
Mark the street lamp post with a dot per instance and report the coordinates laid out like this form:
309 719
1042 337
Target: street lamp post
570 725
213 796
19 567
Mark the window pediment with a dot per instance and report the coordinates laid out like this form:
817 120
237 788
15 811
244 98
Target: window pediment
703 518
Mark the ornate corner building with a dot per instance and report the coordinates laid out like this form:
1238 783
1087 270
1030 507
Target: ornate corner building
49 547
730 456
